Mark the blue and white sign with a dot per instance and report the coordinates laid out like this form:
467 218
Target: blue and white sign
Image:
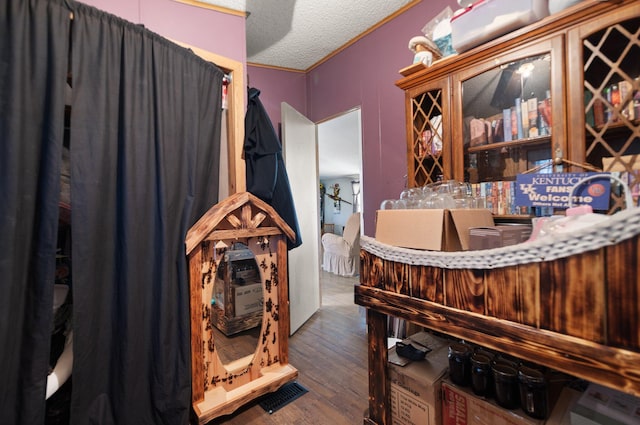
554 189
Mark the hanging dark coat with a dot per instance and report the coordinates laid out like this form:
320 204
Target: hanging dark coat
266 173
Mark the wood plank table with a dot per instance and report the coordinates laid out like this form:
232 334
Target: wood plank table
578 314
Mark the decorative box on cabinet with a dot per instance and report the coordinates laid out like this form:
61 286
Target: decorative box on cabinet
220 387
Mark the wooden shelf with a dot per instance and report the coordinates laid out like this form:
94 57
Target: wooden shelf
511 144
412 69
512 217
430 157
613 128
532 311
576 356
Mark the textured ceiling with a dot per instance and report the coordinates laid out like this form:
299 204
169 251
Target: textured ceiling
297 34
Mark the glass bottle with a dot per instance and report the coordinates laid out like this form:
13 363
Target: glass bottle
460 364
534 399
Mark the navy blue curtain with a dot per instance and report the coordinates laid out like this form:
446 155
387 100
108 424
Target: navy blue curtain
144 155
145 131
266 173
34 37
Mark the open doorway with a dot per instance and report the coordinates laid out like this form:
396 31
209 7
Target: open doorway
331 147
340 163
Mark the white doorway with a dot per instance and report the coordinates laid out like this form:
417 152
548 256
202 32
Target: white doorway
340 161
333 147
299 144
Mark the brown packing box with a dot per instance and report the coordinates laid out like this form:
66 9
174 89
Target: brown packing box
498 236
599 405
434 229
461 407
560 415
415 387
248 298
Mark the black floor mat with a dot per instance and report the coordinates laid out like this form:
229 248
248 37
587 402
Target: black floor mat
283 396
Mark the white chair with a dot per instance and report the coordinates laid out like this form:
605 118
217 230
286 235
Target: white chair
342 253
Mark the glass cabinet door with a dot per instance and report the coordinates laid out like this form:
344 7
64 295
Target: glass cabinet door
604 94
428 129
507 120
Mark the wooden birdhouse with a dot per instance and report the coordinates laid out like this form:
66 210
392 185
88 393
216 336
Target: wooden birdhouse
237 255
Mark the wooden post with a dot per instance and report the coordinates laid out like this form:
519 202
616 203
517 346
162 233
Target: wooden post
379 387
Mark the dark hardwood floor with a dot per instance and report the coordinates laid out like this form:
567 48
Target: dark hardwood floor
330 353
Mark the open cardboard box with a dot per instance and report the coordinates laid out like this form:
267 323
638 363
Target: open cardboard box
606 406
432 229
461 407
415 390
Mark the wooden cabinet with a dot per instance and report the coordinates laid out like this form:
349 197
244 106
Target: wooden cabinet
573 74
428 124
578 314
603 106
501 104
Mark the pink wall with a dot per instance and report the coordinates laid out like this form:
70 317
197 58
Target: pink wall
363 75
216 32
276 87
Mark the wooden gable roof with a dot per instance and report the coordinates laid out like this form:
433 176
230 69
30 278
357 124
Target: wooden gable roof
240 215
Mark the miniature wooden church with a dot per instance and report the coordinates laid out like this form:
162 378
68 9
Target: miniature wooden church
239 245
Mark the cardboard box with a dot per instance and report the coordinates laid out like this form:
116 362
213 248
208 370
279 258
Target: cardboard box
560 415
461 407
415 387
248 298
600 405
498 236
434 229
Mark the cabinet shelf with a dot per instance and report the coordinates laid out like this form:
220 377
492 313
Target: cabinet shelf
430 157
536 141
508 218
412 69
613 128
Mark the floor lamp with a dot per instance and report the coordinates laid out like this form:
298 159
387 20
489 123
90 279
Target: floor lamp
355 188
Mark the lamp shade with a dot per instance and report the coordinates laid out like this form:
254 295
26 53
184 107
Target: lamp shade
355 187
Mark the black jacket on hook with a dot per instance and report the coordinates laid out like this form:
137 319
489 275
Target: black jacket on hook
266 173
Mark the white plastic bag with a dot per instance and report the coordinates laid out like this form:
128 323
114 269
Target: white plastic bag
439 30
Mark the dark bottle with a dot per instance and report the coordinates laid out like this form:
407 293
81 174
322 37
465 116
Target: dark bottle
505 380
534 399
481 380
460 364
